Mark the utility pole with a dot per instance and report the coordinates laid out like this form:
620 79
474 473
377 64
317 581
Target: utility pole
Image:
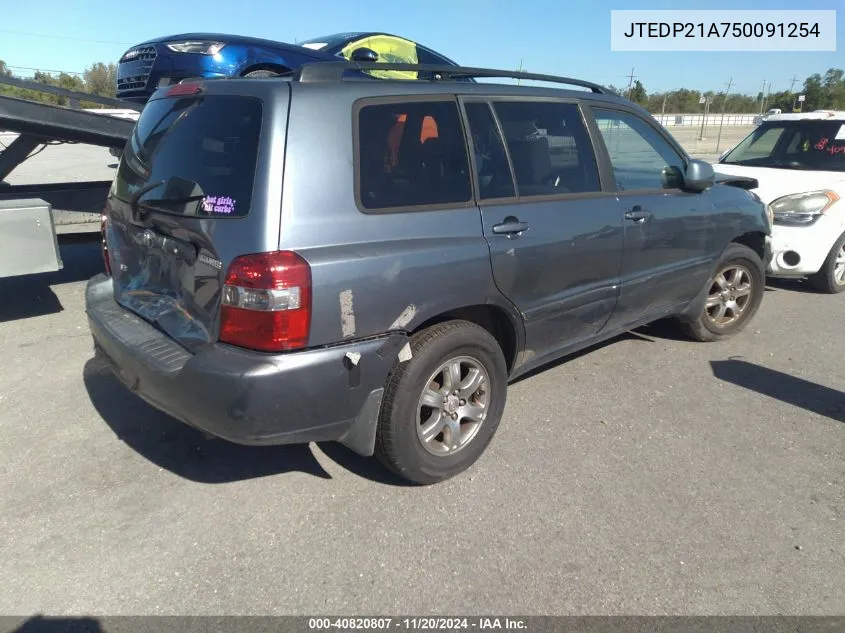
519 70
630 84
722 119
762 96
766 93
794 96
706 101
663 109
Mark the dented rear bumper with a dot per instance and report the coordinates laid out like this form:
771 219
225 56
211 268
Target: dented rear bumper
327 394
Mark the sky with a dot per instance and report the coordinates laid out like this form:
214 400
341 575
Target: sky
565 37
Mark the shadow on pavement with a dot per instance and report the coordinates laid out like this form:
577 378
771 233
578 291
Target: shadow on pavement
664 329
188 453
45 624
798 392
32 295
645 334
365 467
774 284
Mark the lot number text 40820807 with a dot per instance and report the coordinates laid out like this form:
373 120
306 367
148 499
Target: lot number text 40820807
417 624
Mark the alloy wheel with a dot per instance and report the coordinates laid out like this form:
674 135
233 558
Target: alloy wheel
729 295
453 405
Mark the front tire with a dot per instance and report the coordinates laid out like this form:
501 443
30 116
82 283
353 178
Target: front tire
442 408
831 278
733 296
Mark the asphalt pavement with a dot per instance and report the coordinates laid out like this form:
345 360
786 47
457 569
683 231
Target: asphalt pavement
651 475
648 475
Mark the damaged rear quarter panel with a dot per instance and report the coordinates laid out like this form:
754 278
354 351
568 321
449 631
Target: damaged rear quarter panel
370 288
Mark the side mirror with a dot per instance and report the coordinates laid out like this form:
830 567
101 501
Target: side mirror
699 175
364 55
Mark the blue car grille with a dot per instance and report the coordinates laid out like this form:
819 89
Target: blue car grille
145 54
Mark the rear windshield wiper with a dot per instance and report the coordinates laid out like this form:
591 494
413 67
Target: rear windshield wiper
141 207
133 201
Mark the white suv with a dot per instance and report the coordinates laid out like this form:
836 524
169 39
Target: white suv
799 162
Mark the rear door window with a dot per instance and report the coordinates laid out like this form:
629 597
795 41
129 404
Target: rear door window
193 156
412 154
549 148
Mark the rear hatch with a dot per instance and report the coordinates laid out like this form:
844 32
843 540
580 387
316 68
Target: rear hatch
183 204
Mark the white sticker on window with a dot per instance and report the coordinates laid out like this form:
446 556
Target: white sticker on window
840 135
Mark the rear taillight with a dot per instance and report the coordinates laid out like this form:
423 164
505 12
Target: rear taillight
103 220
267 302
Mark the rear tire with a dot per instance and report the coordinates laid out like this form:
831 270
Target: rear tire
262 73
733 295
435 423
831 278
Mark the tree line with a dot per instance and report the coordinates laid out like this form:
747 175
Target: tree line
821 92
98 79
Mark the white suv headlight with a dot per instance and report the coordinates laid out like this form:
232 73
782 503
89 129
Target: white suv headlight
203 47
802 208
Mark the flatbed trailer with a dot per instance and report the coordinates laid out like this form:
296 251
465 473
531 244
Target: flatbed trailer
34 218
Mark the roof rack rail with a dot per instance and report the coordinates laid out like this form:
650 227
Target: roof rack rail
316 72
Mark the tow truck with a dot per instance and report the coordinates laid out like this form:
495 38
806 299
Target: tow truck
36 218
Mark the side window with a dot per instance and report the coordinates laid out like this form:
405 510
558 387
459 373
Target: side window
427 57
491 162
641 157
549 147
763 146
412 154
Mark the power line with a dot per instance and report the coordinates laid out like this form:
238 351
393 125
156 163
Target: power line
64 37
46 70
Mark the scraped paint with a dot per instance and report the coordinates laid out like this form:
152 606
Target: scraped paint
347 314
405 353
403 319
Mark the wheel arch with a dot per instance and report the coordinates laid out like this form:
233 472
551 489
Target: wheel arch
271 66
493 318
755 240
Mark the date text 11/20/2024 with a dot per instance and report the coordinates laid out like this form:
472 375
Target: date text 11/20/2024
417 624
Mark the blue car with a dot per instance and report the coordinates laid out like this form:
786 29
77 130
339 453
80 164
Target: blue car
167 60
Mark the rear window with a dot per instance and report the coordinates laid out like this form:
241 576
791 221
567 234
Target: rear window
193 156
412 155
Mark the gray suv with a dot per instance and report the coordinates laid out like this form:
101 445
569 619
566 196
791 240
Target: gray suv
332 257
